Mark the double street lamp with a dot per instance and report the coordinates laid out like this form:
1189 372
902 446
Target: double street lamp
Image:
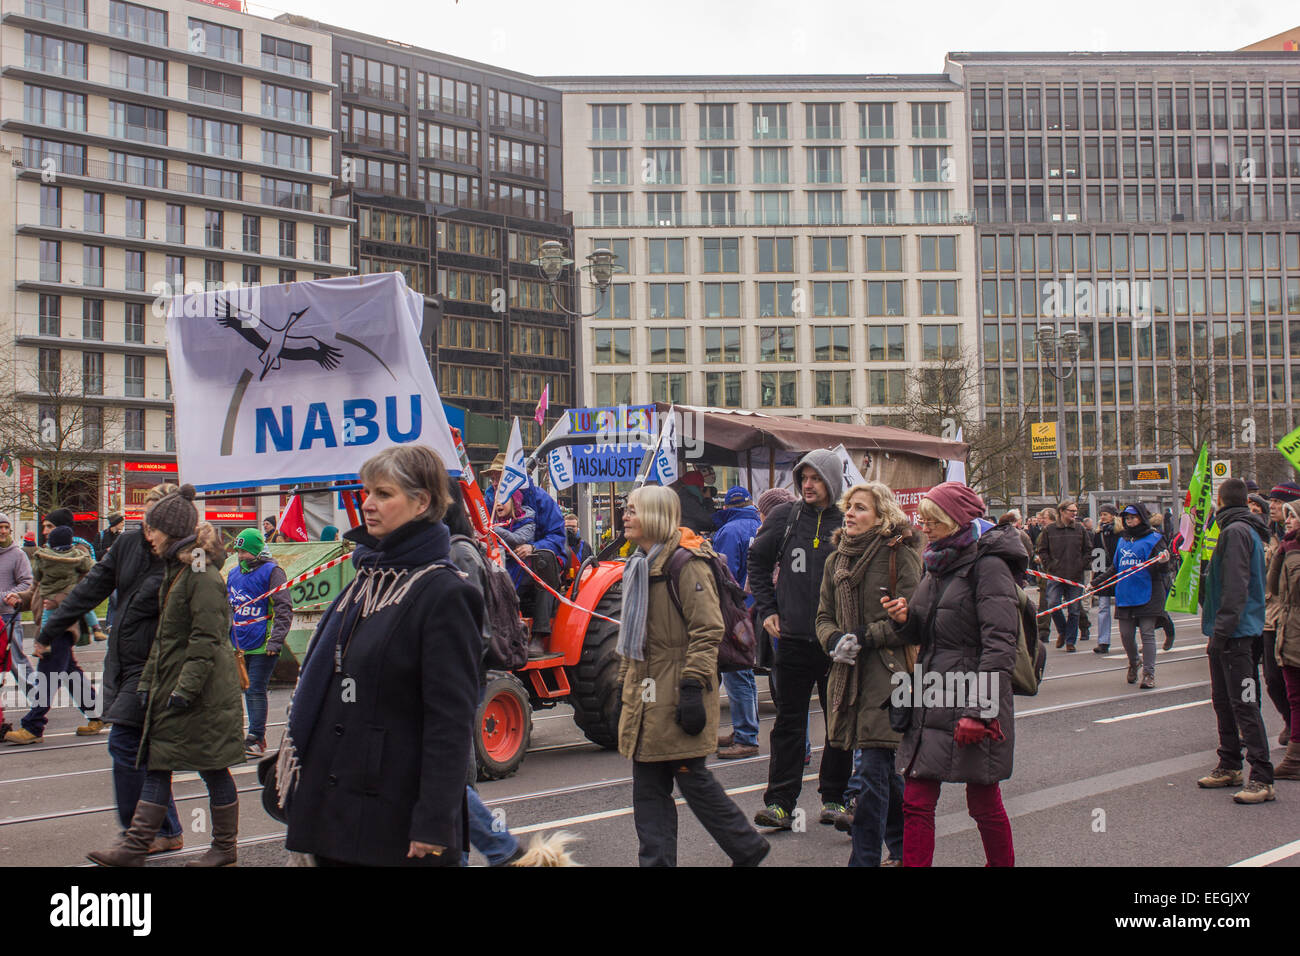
600 268
1060 350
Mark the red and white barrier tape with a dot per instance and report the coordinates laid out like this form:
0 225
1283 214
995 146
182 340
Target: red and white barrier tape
1105 584
298 580
563 600
1053 577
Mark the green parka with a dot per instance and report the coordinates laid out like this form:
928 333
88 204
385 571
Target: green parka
678 646
193 658
855 693
1284 581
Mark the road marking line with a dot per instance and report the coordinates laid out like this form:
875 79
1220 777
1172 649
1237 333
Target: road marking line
624 811
1283 852
1109 700
1148 713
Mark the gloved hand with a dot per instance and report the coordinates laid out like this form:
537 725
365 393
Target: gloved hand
969 731
994 731
846 650
177 702
690 707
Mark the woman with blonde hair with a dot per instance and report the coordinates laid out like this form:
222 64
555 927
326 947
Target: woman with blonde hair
668 640
965 617
189 692
874 561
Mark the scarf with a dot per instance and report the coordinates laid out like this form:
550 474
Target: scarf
938 557
853 555
1290 542
636 602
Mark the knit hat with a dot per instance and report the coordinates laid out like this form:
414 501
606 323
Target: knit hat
250 540
1107 509
693 478
957 501
175 515
773 497
4 519
61 537
115 520
60 518
1252 485
1286 491
29 539
1259 500
736 495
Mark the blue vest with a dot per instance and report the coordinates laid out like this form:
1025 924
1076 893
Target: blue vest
1135 590
249 628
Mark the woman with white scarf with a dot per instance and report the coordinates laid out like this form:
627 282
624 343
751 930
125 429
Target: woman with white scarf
669 673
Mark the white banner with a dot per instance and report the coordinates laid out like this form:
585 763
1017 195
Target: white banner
956 468
851 474
665 466
300 382
559 461
513 477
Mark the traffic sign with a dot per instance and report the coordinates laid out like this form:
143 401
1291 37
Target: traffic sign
1220 471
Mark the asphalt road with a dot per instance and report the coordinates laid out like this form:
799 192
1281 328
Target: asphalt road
1105 775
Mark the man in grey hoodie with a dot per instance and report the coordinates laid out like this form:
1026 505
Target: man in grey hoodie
15 578
796 538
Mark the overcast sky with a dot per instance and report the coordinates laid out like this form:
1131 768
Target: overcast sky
565 37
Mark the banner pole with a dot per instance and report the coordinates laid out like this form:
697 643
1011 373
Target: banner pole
613 530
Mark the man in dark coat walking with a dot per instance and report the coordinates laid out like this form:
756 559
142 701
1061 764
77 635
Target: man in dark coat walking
796 538
1065 550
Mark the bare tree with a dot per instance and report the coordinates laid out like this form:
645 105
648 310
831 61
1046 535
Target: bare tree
944 396
53 421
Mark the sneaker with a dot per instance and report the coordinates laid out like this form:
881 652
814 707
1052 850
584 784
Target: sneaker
99 635
844 821
253 747
831 812
1148 681
1220 777
92 727
22 736
1101 649
774 816
736 751
1255 792
1132 672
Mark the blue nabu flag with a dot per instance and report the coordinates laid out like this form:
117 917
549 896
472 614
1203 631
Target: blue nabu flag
250 624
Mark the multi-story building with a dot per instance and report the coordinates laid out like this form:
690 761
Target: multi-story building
453 171
1175 179
793 244
142 142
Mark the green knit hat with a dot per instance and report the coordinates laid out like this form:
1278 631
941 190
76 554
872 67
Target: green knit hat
250 540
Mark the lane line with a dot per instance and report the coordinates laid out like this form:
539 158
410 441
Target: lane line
1148 713
1056 708
1286 851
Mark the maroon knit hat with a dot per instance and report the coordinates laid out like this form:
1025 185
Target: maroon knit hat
773 497
957 501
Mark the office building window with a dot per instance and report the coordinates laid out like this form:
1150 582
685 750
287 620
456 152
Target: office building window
213 230
939 297
822 120
884 298
776 254
721 345
717 121
721 255
771 164
778 389
831 343
770 121
776 343
884 253
93 205
133 321
668 387
176 224
321 243
832 388
667 300
50 261
92 266
830 253
252 233
133 422
135 218
609 121
49 312
612 346
288 239
667 346
667 255
722 300
876 120
722 389
92 373
940 342
938 253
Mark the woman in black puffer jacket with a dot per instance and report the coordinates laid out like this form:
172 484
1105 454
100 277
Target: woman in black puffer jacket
965 618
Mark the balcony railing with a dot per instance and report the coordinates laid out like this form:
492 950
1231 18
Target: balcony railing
529 124
379 91
717 132
285 64
70 12
451 154
794 217
663 132
877 176
182 182
824 132
447 104
55 65
377 140
603 132
138 33
139 134
929 132
772 132
523 168
878 132
825 176
214 98
286 114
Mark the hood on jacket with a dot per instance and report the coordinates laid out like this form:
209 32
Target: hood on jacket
1004 541
206 537
1227 516
724 515
74 555
1144 517
827 464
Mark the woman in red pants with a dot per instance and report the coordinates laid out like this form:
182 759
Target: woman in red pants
965 618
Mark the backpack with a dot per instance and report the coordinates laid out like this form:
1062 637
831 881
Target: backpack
1031 653
738 649
507 638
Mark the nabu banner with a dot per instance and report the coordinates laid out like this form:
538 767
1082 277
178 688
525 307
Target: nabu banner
300 382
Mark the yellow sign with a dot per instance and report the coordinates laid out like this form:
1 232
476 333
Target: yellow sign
1042 439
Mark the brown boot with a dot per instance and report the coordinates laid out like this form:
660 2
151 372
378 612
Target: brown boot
166 844
1289 768
133 846
225 828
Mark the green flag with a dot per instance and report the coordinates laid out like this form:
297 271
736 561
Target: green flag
1184 596
1290 448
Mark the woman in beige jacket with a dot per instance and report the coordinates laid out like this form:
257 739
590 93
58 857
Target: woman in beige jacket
1284 582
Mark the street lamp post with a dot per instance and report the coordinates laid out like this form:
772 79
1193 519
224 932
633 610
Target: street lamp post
1061 350
600 268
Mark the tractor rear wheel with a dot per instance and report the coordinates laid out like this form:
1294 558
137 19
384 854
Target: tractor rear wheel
505 723
597 695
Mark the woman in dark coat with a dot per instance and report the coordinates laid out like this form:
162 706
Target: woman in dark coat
189 689
964 616
372 771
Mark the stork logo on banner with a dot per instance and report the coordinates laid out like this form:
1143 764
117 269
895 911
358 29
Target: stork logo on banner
280 344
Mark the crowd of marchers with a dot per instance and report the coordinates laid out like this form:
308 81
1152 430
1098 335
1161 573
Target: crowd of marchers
848 597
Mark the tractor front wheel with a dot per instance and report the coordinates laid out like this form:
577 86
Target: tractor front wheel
505 723
597 695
